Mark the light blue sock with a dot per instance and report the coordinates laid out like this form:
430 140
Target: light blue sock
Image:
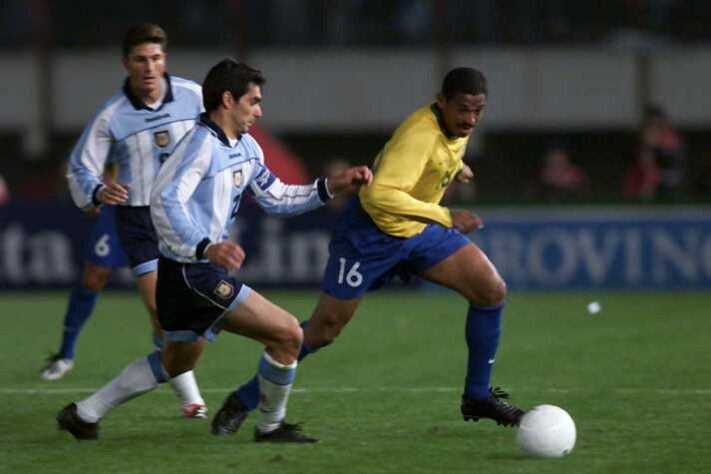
248 394
81 305
483 330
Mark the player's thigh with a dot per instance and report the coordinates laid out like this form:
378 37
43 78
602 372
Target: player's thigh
181 357
329 317
258 318
95 277
469 272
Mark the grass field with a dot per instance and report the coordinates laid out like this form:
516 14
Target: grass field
384 398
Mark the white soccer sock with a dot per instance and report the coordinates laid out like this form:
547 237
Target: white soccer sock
275 381
186 388
136 379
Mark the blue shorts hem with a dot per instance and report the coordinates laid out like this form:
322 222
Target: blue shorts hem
213 331
440 254
182 336
144 268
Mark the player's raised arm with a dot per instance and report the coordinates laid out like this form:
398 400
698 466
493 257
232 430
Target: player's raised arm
173 187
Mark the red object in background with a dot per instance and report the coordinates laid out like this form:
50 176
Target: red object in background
286 165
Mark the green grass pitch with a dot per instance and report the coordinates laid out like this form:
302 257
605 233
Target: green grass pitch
385 397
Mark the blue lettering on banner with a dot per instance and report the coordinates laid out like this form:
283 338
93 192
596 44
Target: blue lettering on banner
41 246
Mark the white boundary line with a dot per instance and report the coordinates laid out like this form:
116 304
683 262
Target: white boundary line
619 391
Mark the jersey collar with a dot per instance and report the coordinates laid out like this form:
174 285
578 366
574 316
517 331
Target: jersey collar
216 130
440 120
138 104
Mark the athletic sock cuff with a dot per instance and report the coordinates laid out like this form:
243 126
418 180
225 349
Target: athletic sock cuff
157 367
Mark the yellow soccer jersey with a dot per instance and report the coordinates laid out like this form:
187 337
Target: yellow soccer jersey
411 174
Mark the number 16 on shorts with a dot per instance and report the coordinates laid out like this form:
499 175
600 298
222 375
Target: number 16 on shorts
351 276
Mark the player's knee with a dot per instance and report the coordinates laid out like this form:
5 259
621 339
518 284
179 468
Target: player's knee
95 278
287 341
493 295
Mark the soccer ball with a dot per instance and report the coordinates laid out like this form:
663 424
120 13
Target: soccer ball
546 431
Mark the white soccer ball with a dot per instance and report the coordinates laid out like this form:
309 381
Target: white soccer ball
546 431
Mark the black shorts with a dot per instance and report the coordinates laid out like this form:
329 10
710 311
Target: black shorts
138 238
193 297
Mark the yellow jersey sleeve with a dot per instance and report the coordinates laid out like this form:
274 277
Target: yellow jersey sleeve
398 170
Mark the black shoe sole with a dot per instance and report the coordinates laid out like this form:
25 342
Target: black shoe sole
498 422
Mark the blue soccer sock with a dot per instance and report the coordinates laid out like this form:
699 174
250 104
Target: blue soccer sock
482 333
248 394
81 305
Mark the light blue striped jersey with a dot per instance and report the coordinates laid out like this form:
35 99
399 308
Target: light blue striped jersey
134 136
198 191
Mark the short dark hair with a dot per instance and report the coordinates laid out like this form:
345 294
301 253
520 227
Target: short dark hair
228 75
464 80
143 33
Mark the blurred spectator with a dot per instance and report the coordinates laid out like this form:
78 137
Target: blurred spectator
4 192
642 177
559 179
661 143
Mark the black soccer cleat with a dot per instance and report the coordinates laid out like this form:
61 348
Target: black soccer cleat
230 417
493 407
286 433
68 420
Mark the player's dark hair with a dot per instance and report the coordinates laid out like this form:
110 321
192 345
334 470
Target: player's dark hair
143 33
228 75
464 80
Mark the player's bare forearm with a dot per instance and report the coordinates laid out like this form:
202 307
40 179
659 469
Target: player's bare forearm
349 180
225 254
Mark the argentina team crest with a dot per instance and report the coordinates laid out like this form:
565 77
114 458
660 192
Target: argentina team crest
162 138
237 178
224 290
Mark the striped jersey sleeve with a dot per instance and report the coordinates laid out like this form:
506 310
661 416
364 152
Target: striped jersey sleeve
278 198
88 158
175 184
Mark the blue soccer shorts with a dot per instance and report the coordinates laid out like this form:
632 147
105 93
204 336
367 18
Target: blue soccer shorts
192 298
103 247
363 258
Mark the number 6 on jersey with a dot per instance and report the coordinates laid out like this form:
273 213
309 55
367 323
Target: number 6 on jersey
353 278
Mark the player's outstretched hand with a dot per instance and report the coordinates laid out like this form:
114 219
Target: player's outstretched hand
113 193
350 179
466 221
465 175
225 254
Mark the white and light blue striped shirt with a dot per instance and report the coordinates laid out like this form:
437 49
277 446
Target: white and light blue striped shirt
135 137
198 191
